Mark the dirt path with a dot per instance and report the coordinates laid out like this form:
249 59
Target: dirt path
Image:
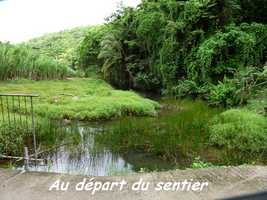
223 182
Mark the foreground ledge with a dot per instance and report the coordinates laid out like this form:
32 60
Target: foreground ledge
223 182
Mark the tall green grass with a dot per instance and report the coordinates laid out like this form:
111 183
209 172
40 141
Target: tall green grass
17 62
173 135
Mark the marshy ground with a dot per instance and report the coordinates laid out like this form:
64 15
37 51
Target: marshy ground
81 99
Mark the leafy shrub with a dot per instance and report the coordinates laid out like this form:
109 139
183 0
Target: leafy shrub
185 88
239 130
11 139
236 90
223 94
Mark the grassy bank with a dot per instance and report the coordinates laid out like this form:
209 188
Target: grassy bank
81 99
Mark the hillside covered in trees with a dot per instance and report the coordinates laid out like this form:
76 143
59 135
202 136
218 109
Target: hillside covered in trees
62 46
214 49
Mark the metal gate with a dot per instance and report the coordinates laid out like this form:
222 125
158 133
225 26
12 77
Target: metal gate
16 110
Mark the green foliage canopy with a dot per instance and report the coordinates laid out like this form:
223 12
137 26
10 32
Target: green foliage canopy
163 43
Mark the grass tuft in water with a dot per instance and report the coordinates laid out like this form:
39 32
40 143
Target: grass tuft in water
240 130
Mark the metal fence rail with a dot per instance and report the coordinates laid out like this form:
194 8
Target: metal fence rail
17 110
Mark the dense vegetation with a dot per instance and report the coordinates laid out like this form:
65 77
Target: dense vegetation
215 49
210 49
62 46
17 61
52 56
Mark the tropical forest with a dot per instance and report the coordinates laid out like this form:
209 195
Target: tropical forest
169 84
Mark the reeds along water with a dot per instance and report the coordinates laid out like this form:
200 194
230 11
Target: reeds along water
17 62
173 134
176 136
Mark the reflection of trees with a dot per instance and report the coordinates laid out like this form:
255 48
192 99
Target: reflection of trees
147 161
80 155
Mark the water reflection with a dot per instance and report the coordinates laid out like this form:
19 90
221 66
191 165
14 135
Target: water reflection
83 158
172 140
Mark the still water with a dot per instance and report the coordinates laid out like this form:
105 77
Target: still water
82 156
176 138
